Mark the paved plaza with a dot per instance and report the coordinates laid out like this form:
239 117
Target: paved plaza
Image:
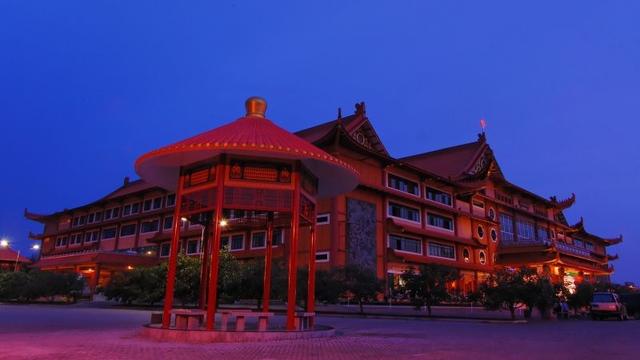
77 332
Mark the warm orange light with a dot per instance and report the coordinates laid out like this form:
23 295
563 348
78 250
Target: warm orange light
129 267
223 223
149 252
4 242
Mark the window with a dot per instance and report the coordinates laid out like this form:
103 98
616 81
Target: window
480 231
525 230
83 220
478 204
111 213
193 246
404 212
61 241
406 244
98 216
128 230
492 214
439 196
167 223
92 236
543 234
576 242
322 256
164 249
278 237
76 221
259 240
109 233
75 239
483 257
440 221
91 218
403 185
588 245
323 219
233 242
148 226
466 255
441 250
171 200
130 209
506 227
494 235
152 204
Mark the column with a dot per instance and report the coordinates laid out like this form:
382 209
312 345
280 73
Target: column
293 251
215 245
311 285
266 288
173 256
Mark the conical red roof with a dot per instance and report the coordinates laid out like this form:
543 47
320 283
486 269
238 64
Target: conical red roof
252 135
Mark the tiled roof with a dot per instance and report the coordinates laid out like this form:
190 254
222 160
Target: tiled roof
449 162
7 254
317 132
248 135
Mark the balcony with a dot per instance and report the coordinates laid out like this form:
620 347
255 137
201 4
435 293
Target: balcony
573 250
522 243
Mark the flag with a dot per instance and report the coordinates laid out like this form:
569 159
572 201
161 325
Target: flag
483 124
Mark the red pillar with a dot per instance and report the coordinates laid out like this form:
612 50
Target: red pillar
293 252
266 289
311 285
215 246
204 269
173 256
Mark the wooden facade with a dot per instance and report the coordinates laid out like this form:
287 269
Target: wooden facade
451 206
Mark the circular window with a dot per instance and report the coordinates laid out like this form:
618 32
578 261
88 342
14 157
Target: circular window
482 257
494 235
492 214
465 254
480 231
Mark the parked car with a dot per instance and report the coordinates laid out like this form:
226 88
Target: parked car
632 303
605 304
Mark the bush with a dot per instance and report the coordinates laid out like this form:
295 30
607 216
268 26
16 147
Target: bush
30 286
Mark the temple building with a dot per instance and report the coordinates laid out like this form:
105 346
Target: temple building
452 206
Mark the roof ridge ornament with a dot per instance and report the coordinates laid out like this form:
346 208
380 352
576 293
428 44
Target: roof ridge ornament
256 106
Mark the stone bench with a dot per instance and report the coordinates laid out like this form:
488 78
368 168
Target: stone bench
188 319
305 320
241 315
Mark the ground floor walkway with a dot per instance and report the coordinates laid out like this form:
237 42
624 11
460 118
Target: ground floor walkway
78 332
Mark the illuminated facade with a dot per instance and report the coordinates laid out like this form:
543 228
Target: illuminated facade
451 206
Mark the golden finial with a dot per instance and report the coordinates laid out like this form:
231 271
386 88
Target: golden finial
256 106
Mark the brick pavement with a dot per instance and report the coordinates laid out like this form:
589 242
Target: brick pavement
68 333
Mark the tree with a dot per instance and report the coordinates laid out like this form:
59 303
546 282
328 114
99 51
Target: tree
503 290
548 294
428 285
361 283
187 288
581 297
329 285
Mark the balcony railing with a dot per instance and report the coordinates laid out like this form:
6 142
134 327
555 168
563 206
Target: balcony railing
520 242
573 249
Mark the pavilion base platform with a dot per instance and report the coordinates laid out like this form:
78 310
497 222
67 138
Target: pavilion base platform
201 335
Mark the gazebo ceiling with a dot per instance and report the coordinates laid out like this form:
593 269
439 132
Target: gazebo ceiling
252 135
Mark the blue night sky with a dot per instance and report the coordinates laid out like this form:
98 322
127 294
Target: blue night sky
87 87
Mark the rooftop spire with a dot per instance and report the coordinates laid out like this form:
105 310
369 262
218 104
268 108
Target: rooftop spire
256 106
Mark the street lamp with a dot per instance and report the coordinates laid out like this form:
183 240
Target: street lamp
4 243
35 247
